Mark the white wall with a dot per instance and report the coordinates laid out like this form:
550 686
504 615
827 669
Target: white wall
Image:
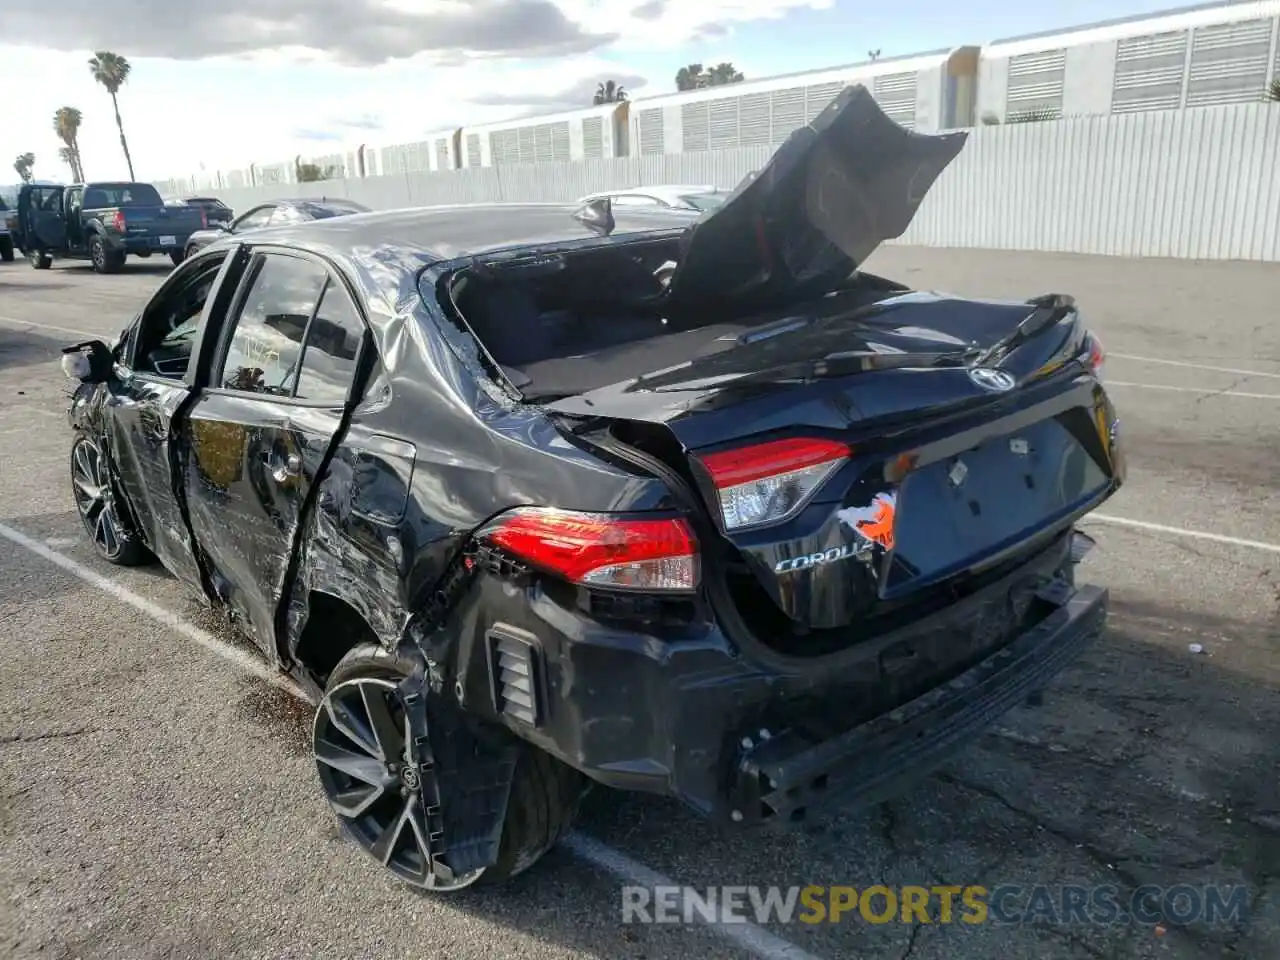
1198 183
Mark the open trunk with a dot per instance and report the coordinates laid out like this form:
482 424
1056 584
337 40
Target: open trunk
860 452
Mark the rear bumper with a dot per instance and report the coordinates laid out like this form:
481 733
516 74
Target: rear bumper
148 244
783 777
686 713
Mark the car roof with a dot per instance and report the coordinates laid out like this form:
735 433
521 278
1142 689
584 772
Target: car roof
435 234
663 191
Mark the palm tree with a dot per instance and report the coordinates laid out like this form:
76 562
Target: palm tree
690 77
24 165
112 71
66 124
1273 91
723 73
610 92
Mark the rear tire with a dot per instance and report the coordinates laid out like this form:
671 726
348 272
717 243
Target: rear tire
104 260
545 794
40 260
6 249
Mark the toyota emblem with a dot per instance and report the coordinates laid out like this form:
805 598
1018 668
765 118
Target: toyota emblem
997 381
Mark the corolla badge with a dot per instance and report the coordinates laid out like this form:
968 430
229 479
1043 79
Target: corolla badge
997 381
873 522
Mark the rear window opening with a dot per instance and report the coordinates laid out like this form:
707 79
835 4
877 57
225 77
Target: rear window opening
563 324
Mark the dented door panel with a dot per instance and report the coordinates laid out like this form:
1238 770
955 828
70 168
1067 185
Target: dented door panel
250 463
139 413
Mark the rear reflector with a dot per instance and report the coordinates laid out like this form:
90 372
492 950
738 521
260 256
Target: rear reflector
599 549
769 482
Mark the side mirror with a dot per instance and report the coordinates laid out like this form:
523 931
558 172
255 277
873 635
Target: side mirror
597 216
88 362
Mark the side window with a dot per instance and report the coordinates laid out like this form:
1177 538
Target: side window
634 200
166 331
266 339
254 219
333 341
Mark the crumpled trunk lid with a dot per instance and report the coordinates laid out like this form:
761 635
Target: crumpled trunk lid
830 195
952 467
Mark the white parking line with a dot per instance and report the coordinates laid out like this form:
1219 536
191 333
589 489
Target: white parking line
1194 366
1184 532
1203 391
750 937
32 327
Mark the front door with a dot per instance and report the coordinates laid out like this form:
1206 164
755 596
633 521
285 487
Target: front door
153 387
260 436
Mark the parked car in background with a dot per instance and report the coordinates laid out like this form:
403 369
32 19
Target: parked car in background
694 199
275 213
217 211
103 222
6 232
519 517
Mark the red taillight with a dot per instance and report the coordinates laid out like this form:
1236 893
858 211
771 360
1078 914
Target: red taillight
768 482
117 221
1095 355
601 550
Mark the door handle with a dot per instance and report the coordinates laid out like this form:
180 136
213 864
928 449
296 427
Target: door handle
291 467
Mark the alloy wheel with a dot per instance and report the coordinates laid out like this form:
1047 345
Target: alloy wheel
361 745
95 501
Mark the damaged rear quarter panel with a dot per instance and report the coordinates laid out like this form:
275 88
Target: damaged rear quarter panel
432 451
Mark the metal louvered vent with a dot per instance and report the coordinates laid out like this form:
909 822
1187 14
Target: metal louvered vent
593 138
896 94
818 96
560 141
473 150
651 138
1229 63
753 119
514 669
504 147
695 126
724 123
1035 81
788 113
1149 73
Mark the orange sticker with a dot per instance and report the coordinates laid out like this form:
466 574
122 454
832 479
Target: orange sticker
875 521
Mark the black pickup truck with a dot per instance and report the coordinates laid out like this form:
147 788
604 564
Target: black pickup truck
100 222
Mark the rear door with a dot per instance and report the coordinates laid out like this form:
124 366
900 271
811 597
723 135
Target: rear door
43 218
259 437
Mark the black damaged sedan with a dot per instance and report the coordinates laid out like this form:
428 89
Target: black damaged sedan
523 508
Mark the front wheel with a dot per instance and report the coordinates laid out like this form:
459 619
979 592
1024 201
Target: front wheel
40 260
359 741
109 527
6 249
177 256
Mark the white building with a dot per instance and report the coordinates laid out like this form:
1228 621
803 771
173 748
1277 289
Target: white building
1215 53
927 92
592 133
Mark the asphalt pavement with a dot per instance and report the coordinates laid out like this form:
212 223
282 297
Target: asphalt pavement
157 798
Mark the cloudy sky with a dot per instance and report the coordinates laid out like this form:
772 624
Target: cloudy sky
220 84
